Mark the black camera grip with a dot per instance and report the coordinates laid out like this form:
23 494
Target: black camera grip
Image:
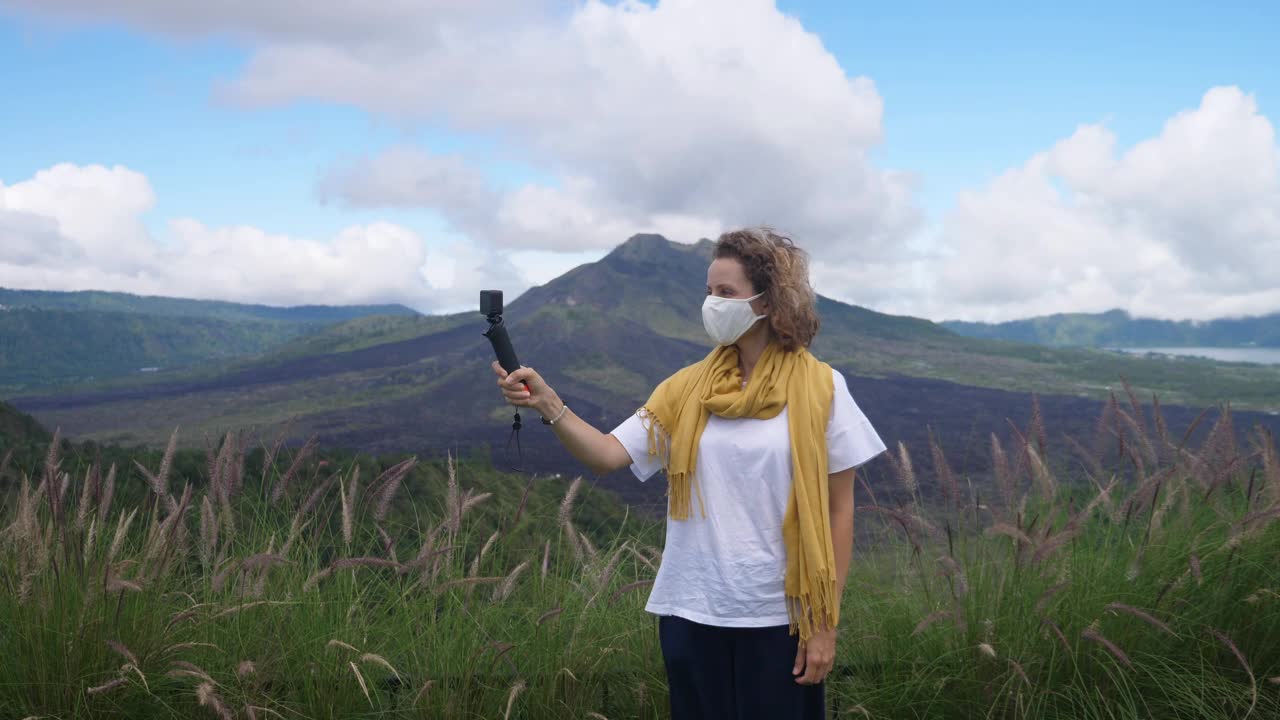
497 334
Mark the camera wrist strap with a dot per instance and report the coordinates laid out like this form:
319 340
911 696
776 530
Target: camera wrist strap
515 435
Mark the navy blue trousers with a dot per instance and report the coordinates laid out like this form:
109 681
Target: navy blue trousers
728 673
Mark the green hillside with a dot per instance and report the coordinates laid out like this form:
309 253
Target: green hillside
73 339
64 346
18 427
368 331
23 442
1117 328
183 307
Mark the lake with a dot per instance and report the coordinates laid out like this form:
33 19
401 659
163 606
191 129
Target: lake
1263 355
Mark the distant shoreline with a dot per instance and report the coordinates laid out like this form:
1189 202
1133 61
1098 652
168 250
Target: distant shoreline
1260 355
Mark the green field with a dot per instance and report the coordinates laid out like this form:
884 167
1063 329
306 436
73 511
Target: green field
250 581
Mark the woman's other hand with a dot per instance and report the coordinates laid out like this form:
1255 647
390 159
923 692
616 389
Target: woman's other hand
815 658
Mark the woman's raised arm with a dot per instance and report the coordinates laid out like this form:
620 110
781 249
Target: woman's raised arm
601 452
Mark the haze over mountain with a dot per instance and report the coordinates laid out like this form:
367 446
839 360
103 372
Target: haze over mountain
1117 328
604 334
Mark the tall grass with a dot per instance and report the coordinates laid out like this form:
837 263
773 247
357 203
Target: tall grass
261 598
1149 590
1136 578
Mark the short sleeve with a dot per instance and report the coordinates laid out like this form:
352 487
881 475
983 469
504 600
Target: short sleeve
635 440
851 441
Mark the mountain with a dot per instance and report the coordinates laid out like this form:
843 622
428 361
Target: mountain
1117 328
184 307
603 335
83 337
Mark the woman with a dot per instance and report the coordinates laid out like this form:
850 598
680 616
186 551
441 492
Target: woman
764 438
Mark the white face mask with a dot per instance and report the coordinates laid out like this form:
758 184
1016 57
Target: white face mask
726 319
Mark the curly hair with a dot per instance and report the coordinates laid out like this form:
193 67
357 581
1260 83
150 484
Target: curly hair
779 269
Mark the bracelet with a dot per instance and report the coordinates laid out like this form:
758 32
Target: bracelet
553 422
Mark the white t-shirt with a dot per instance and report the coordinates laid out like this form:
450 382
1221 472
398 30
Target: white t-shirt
728 568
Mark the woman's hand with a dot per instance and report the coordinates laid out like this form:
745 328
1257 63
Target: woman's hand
815 657
526 388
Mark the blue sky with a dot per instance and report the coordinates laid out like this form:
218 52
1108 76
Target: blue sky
111 96
968 94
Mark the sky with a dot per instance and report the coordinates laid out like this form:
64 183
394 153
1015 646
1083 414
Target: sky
978 161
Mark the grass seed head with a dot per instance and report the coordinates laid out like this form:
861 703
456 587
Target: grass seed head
1057 631
179 647
1008 530
360 679
209 698
119 648
503 591
617 594
453 498
115 585
379 660
484 550
394 476
426 686
106 687
1253 682
472 501
906 471
281 486
516 689
942 471
1093 633
1141 615
1017 667
348 494
186 669
951 568
86 498
313 499
566 505
930 619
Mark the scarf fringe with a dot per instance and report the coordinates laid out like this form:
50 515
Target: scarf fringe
814 609
679 484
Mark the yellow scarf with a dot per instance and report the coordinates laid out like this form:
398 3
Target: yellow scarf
676 414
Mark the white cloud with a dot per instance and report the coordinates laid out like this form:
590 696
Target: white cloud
73 228
101 208
30 239
568 219
1185 224
644 117
411 177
